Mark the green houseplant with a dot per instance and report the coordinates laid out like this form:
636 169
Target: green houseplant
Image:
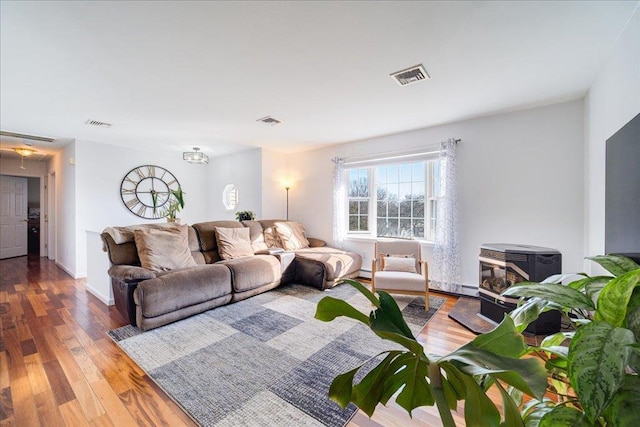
245 216
172 206
594 378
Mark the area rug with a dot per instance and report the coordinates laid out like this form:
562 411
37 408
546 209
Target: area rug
263 361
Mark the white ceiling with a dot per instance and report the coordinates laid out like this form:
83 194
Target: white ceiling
173 75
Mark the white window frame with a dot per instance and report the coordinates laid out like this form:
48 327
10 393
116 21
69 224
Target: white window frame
360 199
431 195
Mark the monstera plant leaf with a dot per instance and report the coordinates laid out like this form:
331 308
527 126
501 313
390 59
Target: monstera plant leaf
416 379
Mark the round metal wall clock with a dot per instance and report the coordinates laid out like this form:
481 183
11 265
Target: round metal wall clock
145 190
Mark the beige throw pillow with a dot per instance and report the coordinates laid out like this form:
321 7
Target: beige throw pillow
164 249
233 242
292 235
406 264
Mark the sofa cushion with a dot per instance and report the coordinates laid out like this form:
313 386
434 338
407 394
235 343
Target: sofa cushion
206 232
337 263
256 235
292 235
163 249
253 272
182 288
233 242
271 237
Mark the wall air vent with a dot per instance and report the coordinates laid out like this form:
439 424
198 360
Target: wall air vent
410 75
27 138
268 120
98 123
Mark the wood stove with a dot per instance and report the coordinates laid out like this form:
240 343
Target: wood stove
503 265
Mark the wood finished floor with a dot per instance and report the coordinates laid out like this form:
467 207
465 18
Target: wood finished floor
58 367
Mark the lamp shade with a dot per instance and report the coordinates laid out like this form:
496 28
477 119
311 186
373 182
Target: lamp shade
195 156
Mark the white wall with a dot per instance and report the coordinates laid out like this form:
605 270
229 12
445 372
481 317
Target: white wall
520 181
64 244
100 169
612 100
275 177
244 170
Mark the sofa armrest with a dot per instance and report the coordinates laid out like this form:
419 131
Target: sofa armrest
130 273
316 243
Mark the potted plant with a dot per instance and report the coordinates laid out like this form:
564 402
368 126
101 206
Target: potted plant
172 206
594 376
245 216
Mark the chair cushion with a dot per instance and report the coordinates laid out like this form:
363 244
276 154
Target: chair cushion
399 280
233 242
399 263
164 249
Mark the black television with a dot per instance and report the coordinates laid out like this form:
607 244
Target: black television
622 191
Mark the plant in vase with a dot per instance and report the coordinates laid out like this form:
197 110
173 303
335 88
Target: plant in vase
172 206
245 216
594 377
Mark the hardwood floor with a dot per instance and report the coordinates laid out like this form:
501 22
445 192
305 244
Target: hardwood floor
58 367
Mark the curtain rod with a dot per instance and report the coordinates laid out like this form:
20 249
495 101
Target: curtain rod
385 156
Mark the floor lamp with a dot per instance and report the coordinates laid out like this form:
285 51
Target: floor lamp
287 188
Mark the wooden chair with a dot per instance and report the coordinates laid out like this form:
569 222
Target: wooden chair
391 270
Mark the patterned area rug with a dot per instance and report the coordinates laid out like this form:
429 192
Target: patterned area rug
264 361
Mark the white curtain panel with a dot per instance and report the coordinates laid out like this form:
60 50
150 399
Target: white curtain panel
446 253
339 202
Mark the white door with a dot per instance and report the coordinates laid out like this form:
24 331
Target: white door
13 216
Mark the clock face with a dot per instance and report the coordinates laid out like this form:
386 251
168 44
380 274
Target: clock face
144 184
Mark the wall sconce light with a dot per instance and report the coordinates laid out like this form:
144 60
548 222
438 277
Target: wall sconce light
195 156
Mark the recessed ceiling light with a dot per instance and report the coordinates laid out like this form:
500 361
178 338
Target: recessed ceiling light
268 120
410 75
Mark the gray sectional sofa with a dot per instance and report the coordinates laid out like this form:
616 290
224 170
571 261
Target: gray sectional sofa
149 299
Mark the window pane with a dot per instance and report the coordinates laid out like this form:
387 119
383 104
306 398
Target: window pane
404 192
393 209
381 174
417 190
353 183
381 192
364 208
382 209
393 227
405 209
417 172
382 227
405 172
364 223
418 209
392 174
418 228
363 183
405 228
353 223
392 191
353 207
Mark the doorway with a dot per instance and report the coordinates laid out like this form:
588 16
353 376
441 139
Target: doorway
13 216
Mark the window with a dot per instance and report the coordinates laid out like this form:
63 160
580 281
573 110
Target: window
358 195
404 202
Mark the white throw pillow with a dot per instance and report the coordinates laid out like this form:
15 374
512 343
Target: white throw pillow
397 263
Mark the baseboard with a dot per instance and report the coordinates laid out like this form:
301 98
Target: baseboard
106 299
65 269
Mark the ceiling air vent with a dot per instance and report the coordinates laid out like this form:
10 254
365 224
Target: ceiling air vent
98 123
26 137
410 75
268 120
